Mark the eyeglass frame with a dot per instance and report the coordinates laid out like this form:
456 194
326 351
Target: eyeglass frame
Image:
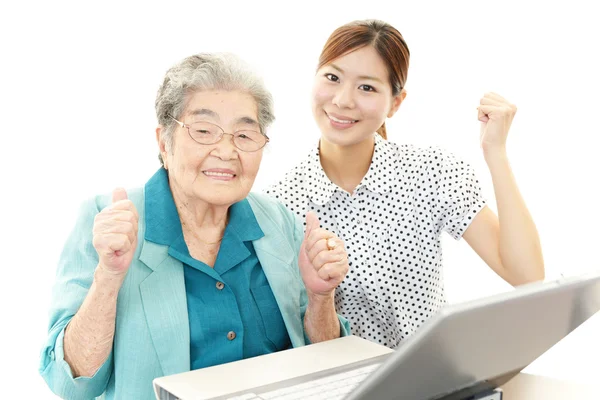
184 125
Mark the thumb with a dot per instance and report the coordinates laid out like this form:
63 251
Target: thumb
312 222
119 194
482 114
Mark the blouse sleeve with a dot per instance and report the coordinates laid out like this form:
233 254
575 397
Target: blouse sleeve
457 192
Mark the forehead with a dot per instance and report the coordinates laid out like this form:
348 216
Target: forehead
221 105
362 62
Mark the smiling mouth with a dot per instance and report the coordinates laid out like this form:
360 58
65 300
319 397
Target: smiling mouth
219 174
342 121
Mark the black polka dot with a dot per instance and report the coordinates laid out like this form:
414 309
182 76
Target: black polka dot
391 226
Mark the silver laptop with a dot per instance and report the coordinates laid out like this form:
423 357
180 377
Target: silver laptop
465 351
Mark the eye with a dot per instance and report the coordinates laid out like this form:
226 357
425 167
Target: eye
332 77
367 88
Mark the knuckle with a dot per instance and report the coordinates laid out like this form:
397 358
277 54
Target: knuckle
132 218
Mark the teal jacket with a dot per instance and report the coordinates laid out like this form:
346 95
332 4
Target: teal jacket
152 328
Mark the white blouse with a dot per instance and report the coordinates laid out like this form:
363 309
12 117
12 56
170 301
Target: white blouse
391 226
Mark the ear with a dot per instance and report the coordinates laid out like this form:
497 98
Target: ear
396 101
161 144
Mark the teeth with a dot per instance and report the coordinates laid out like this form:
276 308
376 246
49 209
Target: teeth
211 173
341 121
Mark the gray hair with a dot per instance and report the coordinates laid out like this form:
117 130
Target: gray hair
208 71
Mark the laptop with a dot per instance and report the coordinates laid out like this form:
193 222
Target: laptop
465 351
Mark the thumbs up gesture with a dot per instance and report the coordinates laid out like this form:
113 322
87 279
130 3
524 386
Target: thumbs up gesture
115 234
323 260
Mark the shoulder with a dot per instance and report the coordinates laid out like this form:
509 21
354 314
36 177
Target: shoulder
293 189
293 181
431 157
136 195
93 205
424 154
271 213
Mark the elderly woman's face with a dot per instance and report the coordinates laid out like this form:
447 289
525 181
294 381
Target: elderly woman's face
220 173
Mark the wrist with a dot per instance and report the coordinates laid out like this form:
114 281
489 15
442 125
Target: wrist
319 299
107 279
495 155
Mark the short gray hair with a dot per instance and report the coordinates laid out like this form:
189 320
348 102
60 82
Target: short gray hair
208 71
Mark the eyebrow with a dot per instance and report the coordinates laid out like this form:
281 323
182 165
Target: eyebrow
211 113
372 78
204 111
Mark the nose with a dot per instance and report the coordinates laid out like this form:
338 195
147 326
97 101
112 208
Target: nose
344 97
225 149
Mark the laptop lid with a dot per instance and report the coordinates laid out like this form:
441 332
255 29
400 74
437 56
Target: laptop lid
483 343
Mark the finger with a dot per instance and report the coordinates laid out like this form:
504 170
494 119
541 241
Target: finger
488 111
123 205
116 221
312 222
333 272
317 247
318 236
481 115
495 96
121 227
329 256
116 216
119 194
111 243
327 244
491 101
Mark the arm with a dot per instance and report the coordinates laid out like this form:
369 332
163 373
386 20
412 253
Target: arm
74 278
322 268
321 322
77 359
509 243
88 338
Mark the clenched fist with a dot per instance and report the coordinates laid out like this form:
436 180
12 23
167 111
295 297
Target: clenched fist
323 259
115 234
496 115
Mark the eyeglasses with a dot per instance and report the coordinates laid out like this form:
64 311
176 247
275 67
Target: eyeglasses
208 133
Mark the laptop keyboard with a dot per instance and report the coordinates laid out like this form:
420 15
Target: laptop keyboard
332 387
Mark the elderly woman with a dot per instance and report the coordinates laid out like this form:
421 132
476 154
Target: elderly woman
191 270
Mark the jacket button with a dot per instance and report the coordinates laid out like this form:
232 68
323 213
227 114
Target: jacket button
220 285
231 335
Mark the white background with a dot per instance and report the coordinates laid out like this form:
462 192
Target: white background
77 106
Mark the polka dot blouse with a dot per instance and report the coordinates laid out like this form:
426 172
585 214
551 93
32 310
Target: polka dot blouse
391 226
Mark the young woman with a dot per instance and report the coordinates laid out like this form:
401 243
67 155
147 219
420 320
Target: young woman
391 202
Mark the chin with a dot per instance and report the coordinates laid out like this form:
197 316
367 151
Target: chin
345 138
221 197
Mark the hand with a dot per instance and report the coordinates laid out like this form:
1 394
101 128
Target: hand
496 115
322 269
115 234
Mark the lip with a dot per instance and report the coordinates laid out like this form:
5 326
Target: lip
230 174
340 116
340 125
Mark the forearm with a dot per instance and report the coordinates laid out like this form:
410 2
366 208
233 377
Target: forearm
320 320
89 336
519 243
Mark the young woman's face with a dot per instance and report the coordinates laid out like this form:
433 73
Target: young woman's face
352 97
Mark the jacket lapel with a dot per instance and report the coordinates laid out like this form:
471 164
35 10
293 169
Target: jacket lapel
279 262
165 306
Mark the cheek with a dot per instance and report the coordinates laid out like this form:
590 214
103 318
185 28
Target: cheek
251 165
374 108
188 158
321 94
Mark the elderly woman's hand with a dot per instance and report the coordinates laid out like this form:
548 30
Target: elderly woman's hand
115 234
323 259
